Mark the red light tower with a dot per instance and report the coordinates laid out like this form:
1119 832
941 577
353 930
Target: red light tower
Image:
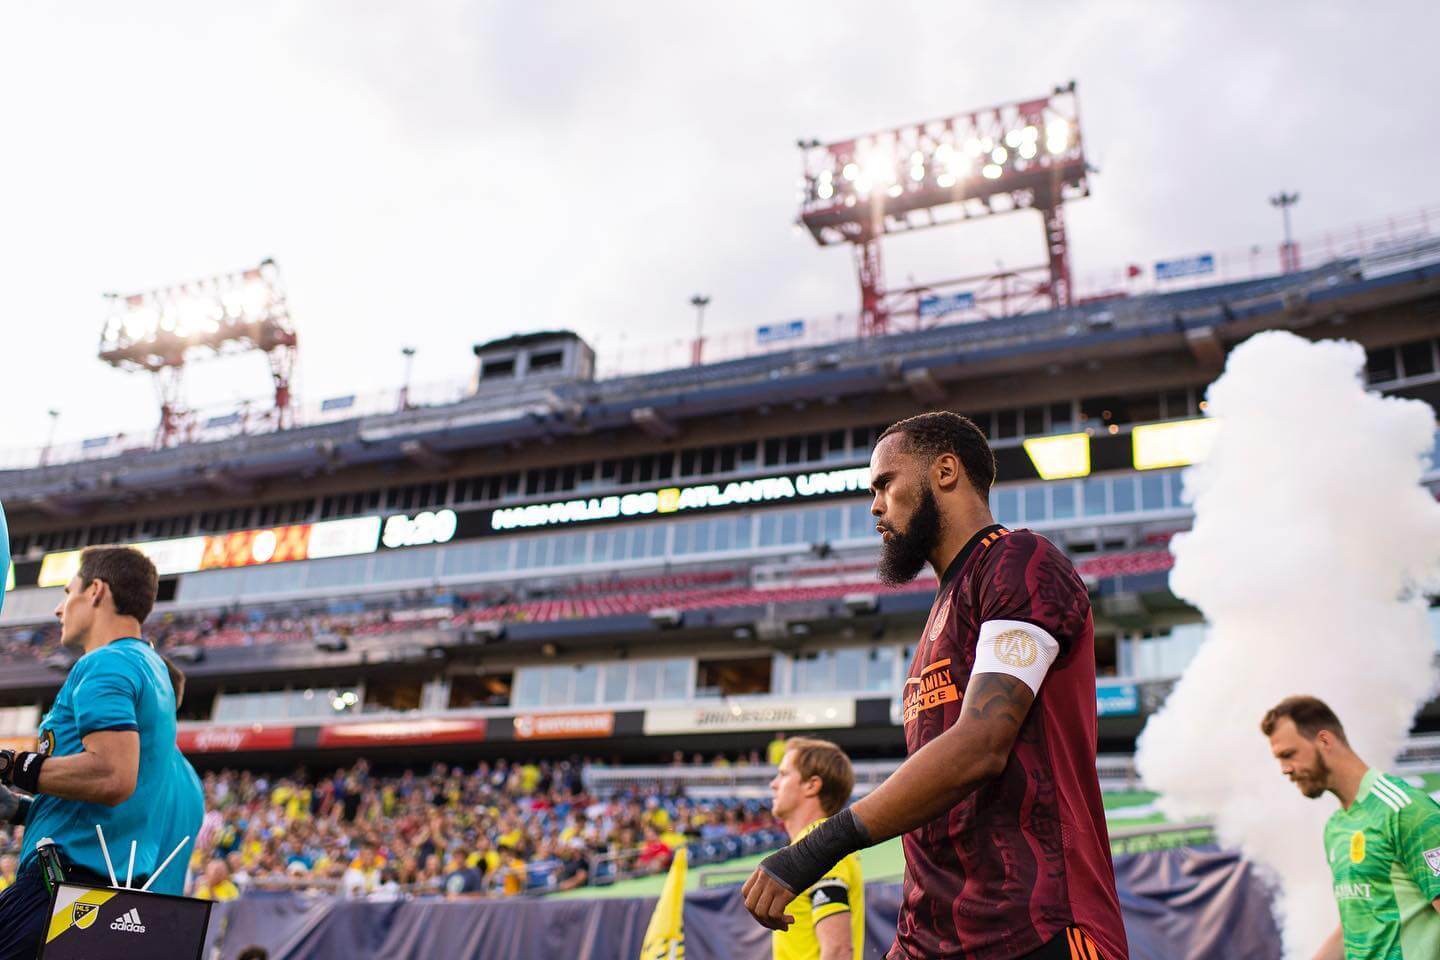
1026 155
160 330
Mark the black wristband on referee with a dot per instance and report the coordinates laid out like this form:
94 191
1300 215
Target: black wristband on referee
26 772
799 865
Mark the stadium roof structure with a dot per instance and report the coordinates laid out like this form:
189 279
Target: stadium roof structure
1201 322
526 339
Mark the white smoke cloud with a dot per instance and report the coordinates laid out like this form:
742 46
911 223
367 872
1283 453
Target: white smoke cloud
1311 536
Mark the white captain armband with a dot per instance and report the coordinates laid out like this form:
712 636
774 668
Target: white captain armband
1017 648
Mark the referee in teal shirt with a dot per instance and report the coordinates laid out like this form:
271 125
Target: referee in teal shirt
106 753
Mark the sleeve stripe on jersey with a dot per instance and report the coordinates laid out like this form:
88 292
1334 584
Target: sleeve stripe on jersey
107 728
1399 787
1391 794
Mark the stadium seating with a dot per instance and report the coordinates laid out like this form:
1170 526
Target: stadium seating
578 600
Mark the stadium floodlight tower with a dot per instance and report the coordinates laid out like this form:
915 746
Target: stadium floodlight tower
159 331
1026 155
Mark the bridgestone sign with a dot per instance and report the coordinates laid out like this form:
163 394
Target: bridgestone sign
728 716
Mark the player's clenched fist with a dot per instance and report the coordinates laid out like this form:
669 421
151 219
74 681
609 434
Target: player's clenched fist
766 899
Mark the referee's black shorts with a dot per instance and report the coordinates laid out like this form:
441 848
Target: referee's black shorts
24 913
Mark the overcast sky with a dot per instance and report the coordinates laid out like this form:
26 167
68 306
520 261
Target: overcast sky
437 173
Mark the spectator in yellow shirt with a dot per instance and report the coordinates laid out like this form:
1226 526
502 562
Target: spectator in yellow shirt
215 884
775 752
7 871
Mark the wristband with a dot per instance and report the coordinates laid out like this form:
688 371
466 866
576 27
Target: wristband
22 812
22 769
798 866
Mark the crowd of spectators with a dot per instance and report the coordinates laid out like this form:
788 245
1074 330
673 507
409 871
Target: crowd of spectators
490 830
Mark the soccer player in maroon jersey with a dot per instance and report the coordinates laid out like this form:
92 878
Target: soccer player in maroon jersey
1007 855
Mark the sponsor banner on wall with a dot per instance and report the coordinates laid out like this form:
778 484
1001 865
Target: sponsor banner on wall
1185 267
243 548
402 733
740 715
231 739
563 726
1117 699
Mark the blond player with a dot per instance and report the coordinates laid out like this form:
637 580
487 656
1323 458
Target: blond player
814 782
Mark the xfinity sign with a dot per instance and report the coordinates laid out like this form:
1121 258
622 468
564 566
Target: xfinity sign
683 499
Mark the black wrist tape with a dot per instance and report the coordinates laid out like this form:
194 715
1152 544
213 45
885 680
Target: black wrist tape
799 865
26 774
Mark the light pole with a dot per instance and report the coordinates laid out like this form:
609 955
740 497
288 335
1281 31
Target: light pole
697 349
1289 255
409 354
50 440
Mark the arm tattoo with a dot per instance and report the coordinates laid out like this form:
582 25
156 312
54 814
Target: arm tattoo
998 698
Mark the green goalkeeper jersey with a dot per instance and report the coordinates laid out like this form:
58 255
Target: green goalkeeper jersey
1384 852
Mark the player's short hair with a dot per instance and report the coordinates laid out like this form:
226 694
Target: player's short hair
128 573
821 758
939 432
1309 714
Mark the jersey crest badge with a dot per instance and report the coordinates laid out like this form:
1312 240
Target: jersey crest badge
938 626
1357 846
1432 860
1017 648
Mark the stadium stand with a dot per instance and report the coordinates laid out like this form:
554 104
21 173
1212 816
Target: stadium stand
502 829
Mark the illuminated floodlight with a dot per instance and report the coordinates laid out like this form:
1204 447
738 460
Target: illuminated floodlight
160 331
1057 136
1024 155
1175 444
918 155
1061 457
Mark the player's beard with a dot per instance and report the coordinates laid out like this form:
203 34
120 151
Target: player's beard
1316 780
904 555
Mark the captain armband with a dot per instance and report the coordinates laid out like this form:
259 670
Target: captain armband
1017 648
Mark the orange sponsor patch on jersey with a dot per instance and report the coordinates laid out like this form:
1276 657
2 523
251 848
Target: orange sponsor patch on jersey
935 687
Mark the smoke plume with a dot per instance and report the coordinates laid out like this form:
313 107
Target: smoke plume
1312 541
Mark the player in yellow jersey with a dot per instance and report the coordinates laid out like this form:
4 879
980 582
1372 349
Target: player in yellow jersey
814 782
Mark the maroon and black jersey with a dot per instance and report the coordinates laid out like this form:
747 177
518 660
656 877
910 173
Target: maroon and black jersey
1027 855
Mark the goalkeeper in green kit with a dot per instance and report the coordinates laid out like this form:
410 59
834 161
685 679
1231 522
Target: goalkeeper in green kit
1383 844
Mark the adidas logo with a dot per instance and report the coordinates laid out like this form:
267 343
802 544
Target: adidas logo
129 922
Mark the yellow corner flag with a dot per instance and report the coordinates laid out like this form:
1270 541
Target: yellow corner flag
665 937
